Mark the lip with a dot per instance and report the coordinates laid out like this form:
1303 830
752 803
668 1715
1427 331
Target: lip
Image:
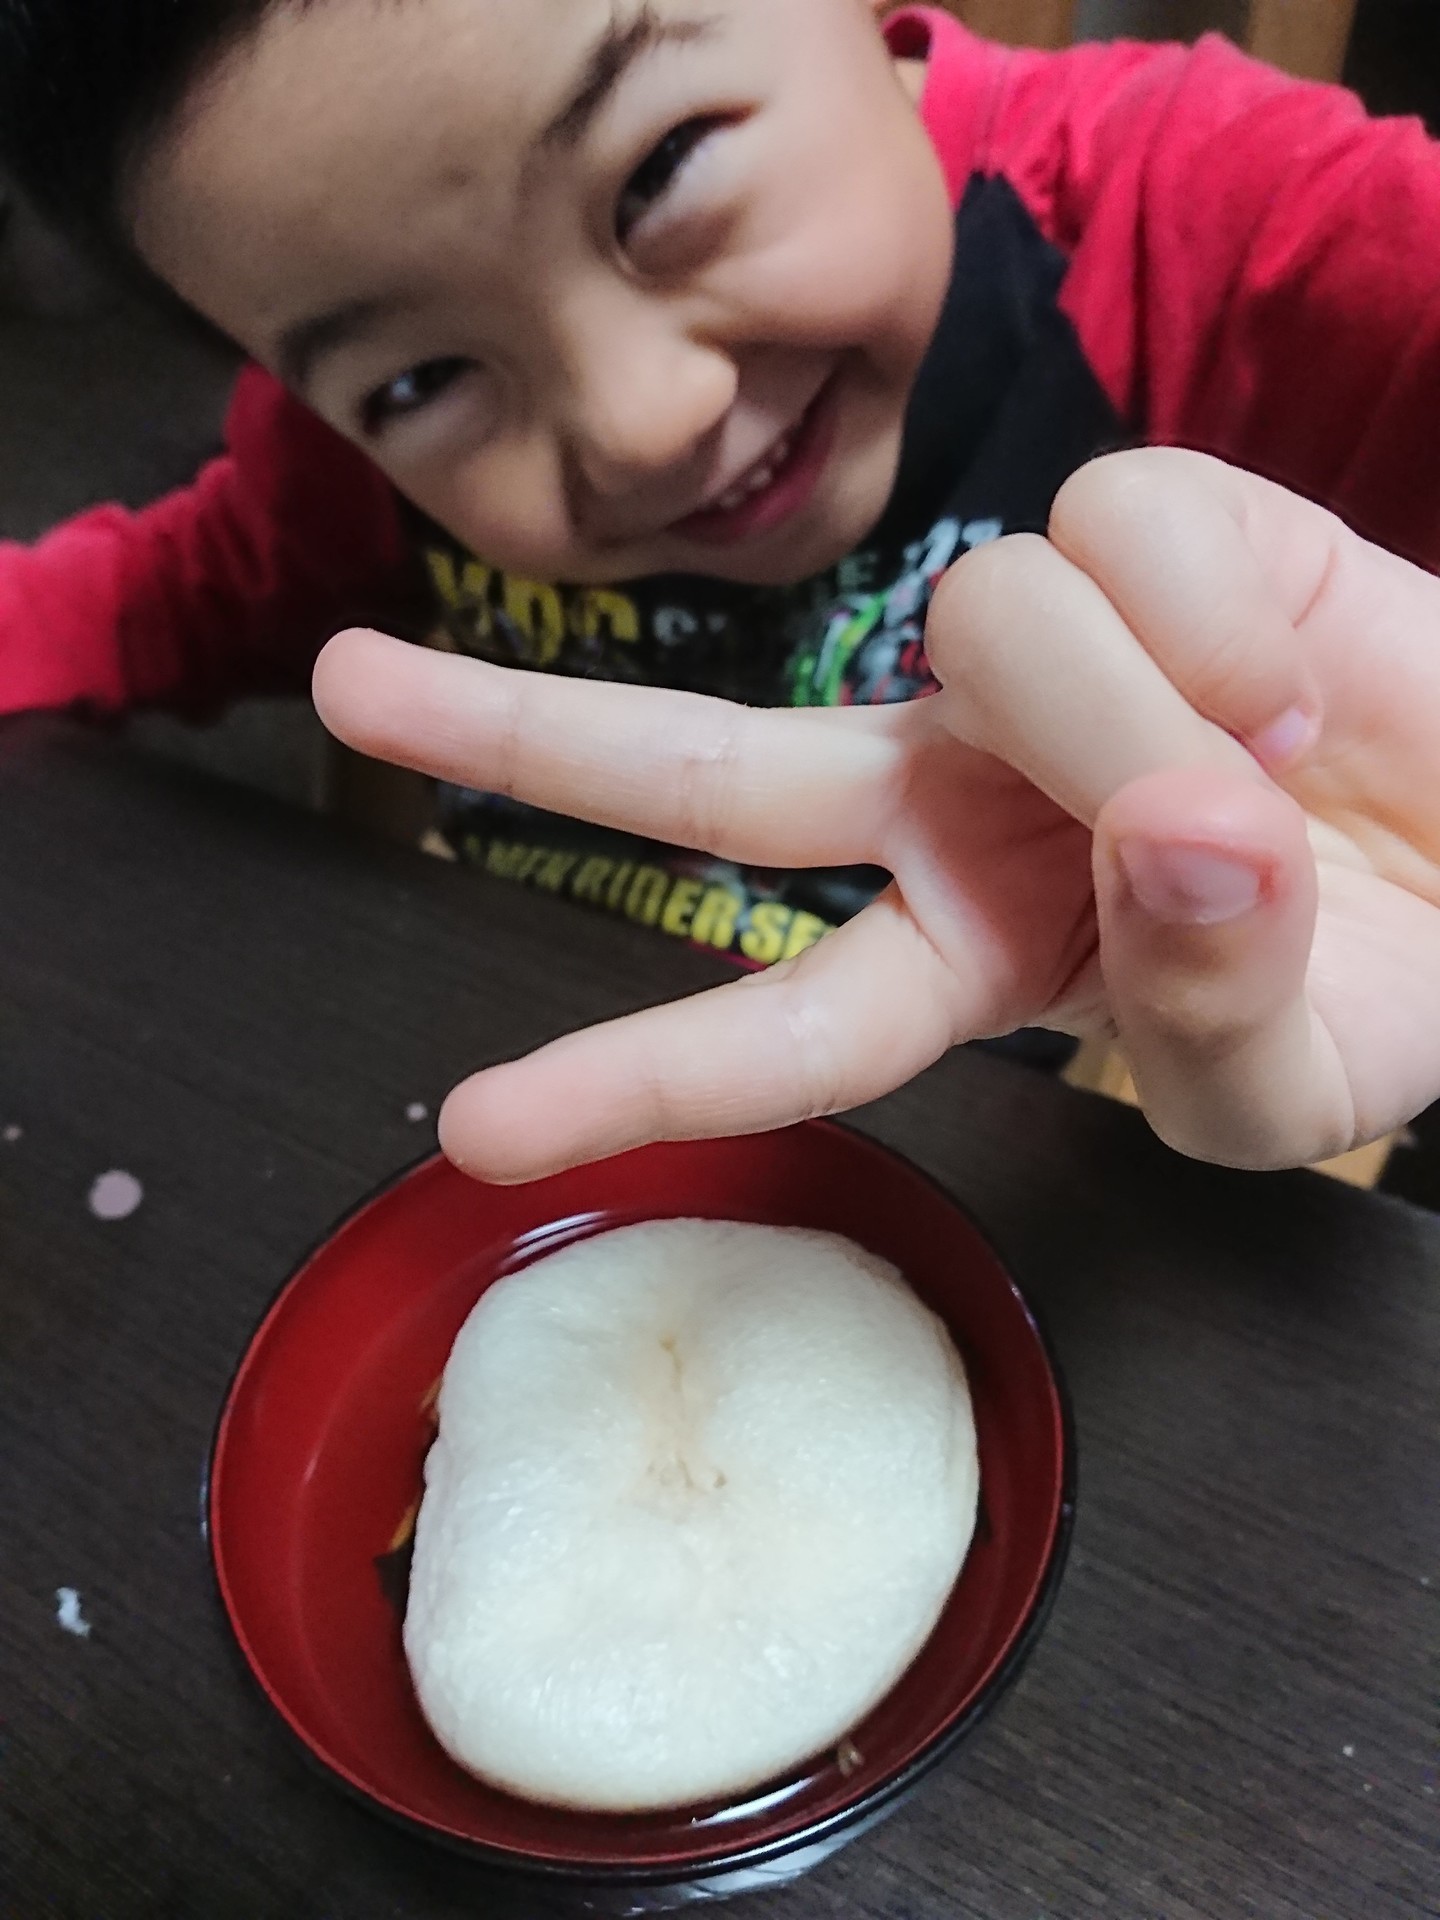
791 488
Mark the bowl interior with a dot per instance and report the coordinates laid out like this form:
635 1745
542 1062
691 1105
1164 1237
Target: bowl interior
317 1465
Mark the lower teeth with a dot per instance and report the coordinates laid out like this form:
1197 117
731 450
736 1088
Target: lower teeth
757 483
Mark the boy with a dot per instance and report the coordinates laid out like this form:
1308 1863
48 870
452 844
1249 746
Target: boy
1075 829
700 352
710 354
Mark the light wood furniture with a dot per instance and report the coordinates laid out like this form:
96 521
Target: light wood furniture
1020 23
1305 37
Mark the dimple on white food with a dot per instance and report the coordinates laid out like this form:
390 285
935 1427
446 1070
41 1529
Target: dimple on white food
699 1495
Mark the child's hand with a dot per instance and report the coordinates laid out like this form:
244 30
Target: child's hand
1078 839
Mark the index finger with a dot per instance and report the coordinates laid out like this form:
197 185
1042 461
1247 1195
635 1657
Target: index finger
767 787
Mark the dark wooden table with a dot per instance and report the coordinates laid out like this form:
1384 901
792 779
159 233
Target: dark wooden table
1233 1712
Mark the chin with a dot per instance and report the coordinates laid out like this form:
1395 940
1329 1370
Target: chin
784 563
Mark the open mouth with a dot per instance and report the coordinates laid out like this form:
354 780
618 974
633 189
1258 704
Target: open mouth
776 487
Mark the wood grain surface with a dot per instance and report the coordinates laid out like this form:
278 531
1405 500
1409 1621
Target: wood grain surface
1233 1710
1021 23
1305 37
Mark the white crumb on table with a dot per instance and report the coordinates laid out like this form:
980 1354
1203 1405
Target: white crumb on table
416 1112
68 1613
437 846
11 1134
1348 1751
115 1195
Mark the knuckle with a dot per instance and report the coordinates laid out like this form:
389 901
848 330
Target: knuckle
973 606
1104 492
708 764
815 1058
1193 1022
1208 1083
507 753
658 1108
1228 678
1225 1134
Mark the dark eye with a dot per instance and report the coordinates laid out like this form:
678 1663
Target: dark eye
657 171
414 388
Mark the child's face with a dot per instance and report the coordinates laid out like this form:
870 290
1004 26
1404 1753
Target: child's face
607 289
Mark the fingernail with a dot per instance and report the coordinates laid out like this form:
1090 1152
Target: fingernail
1188 886
1285 739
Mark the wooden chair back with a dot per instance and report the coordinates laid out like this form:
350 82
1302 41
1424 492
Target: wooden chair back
1304 37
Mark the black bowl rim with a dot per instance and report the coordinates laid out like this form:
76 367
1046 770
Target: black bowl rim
883 1797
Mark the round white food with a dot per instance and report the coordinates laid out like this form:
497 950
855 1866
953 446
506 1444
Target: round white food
698 1497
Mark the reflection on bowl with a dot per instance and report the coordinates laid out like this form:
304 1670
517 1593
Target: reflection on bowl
316 1471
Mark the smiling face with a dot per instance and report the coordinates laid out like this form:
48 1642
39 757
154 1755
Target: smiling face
607 289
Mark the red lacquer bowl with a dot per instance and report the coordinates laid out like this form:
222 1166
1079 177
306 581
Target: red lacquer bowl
317 1462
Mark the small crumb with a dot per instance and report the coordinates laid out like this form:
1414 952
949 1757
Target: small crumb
115 1195
416 1112
69 1615
12 1134
1424 1579
437 846
1349 1752
405 1531
848 1758
1368 1787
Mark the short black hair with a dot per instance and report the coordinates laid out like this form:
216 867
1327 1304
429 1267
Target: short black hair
85 84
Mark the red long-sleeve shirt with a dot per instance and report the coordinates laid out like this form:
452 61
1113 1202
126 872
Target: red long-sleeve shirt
1250 266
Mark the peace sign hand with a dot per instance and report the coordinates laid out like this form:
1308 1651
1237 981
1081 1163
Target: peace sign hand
1077 837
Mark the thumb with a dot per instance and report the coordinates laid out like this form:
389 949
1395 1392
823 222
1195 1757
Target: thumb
1206 893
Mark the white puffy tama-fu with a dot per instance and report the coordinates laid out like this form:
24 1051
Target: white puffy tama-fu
699 1494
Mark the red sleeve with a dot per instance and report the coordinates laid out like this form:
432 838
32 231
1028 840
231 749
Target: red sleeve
1254 263
226 587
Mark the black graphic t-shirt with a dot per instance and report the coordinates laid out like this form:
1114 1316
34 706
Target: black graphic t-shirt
1004 409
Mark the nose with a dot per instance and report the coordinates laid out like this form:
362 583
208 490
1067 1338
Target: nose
644 401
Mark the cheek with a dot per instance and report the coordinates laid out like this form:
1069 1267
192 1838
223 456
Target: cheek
852 249
505 503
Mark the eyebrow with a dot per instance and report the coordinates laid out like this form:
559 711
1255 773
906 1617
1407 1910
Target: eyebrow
623 43
300 346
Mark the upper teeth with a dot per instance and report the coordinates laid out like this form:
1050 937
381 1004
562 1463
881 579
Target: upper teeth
759 476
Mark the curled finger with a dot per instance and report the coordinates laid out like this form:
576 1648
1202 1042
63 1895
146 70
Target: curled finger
1039 668
1205 889
1212 569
